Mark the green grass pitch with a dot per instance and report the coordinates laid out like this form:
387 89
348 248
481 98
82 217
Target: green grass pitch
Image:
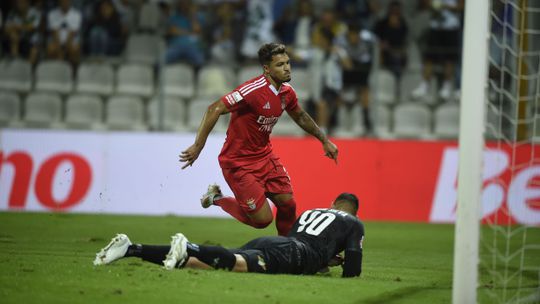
47 258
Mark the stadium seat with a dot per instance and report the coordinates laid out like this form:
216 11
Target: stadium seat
125 113
16 75
149 16
382 119
135 79
410 81
10 108
301 82
286 126
412 120
446 121
144 48
215 81
196 109
54 76
383 87
349 121
95 78
43 110
84 112
247 72
179 80
174 114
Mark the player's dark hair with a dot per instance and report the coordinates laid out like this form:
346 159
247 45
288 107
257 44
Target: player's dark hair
268 50
349 197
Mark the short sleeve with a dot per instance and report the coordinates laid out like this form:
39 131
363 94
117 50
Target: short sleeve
234 101
292 101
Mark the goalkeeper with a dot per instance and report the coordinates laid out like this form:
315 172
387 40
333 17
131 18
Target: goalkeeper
317 236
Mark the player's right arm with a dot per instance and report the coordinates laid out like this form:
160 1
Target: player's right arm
208 122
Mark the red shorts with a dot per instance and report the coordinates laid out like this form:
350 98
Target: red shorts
251 183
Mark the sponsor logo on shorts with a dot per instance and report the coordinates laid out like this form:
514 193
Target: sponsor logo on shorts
251 204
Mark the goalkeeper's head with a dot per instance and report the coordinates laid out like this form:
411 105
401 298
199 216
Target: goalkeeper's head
347 202
275 62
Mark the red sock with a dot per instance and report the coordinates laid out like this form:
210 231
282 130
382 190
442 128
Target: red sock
232 207
285 216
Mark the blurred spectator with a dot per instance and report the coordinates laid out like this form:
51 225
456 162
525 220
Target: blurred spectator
127 10
359 45
442 47
327 22
360 13
334 59
302 47
22 31
64 23
285 24
225 34
105 31
392 32
185 33
259 27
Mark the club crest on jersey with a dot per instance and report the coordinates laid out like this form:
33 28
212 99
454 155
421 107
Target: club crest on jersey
283 104
251 204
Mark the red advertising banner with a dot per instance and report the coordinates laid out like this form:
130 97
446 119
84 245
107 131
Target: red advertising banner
412 180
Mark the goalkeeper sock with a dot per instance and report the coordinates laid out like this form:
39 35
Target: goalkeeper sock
214 256
150 253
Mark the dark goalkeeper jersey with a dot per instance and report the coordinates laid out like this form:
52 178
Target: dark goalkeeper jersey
328 232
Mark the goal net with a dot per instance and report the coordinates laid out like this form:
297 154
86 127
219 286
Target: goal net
509 251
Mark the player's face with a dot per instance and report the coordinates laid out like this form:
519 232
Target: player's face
280 68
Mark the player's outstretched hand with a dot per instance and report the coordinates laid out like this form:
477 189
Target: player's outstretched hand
330 150
190 155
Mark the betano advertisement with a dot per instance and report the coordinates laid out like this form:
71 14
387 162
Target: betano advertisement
139 173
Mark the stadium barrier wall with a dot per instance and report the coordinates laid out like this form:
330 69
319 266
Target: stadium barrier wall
139 173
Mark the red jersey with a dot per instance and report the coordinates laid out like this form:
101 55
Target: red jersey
255 107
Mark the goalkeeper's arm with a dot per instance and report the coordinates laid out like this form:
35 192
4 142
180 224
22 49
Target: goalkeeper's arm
352 266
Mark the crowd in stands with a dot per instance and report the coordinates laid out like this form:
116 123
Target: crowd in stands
357 53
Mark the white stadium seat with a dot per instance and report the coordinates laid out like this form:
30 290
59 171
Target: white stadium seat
84 112
43 110
301 82
196 109
349 121
125 113
95 78
215 81
412 121
55 76
16 75
382 119
135 79
174 113
446 121
144 48
179 80
149 17
383 87
10 108
248 72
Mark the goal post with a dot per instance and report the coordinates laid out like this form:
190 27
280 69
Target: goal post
471 145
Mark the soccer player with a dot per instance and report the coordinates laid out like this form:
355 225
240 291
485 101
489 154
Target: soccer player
313 243
249 166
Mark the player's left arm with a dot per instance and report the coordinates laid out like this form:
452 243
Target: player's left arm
304 120
352 265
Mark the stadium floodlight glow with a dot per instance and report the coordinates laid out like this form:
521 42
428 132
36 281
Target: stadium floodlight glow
471 144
